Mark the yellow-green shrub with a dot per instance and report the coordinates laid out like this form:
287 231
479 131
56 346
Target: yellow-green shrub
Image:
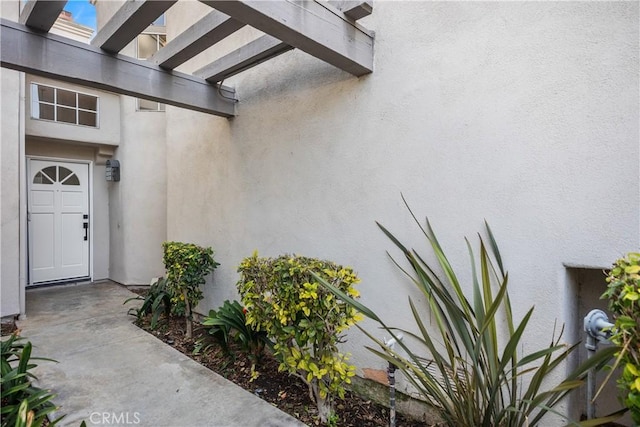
305 321
623 292
187 265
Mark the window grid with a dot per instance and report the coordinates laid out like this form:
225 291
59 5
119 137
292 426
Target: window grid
55 106
160 41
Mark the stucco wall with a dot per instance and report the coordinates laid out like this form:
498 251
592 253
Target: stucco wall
107 132
524 114
137 203
9 193
10 136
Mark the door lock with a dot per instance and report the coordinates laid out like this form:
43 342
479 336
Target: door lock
85 225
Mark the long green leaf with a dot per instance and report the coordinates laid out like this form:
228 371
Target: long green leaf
346 298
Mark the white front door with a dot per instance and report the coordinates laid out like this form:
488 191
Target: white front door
58 220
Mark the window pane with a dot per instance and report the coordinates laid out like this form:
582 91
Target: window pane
63 173
51 172
67 115
66 97
144 105
46 112
159 21
88 119
87 102
45 93
40 178
147 45
72 180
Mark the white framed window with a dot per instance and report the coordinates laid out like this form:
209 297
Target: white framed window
146 45
64 106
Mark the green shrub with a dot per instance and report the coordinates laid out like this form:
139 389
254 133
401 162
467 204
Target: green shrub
157 301
229 323
187 265
623 292
304 320
22 403
479 379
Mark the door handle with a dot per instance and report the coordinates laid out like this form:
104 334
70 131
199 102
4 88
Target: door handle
85 225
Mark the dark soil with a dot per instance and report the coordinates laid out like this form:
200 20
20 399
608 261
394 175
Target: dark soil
284 391
7 328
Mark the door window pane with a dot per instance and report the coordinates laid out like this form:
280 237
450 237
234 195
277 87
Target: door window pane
51 172
41 178
72 180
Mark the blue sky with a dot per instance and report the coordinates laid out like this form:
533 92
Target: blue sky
83 12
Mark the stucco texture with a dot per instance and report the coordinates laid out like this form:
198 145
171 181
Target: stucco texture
524 114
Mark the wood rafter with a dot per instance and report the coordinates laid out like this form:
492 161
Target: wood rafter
325 29
130 20
248 56
317 29
354 9
208 31
74 62
41 14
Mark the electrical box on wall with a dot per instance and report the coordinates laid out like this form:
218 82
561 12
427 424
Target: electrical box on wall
113 170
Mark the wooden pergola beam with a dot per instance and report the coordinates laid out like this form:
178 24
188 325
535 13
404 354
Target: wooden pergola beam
248 56
60 58
41 14
354 9
316 29
214 27
130 20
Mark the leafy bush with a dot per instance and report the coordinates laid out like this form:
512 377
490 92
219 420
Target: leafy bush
623 292
156 302
187 265
478 379
22 403
229 323
304 320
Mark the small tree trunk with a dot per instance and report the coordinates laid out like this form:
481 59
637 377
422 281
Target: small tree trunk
187 315
324 405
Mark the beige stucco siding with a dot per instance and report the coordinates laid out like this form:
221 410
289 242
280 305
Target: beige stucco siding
523 114
11 138
10 165
106 133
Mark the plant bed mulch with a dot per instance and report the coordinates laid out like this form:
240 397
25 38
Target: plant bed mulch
7 328
286 392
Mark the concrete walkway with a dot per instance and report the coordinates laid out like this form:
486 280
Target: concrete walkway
110 372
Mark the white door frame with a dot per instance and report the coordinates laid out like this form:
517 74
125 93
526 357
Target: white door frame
89 189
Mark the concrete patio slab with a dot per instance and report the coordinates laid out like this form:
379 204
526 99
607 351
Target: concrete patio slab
110 372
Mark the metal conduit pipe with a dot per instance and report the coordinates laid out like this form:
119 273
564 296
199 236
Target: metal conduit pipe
391 376
598 329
